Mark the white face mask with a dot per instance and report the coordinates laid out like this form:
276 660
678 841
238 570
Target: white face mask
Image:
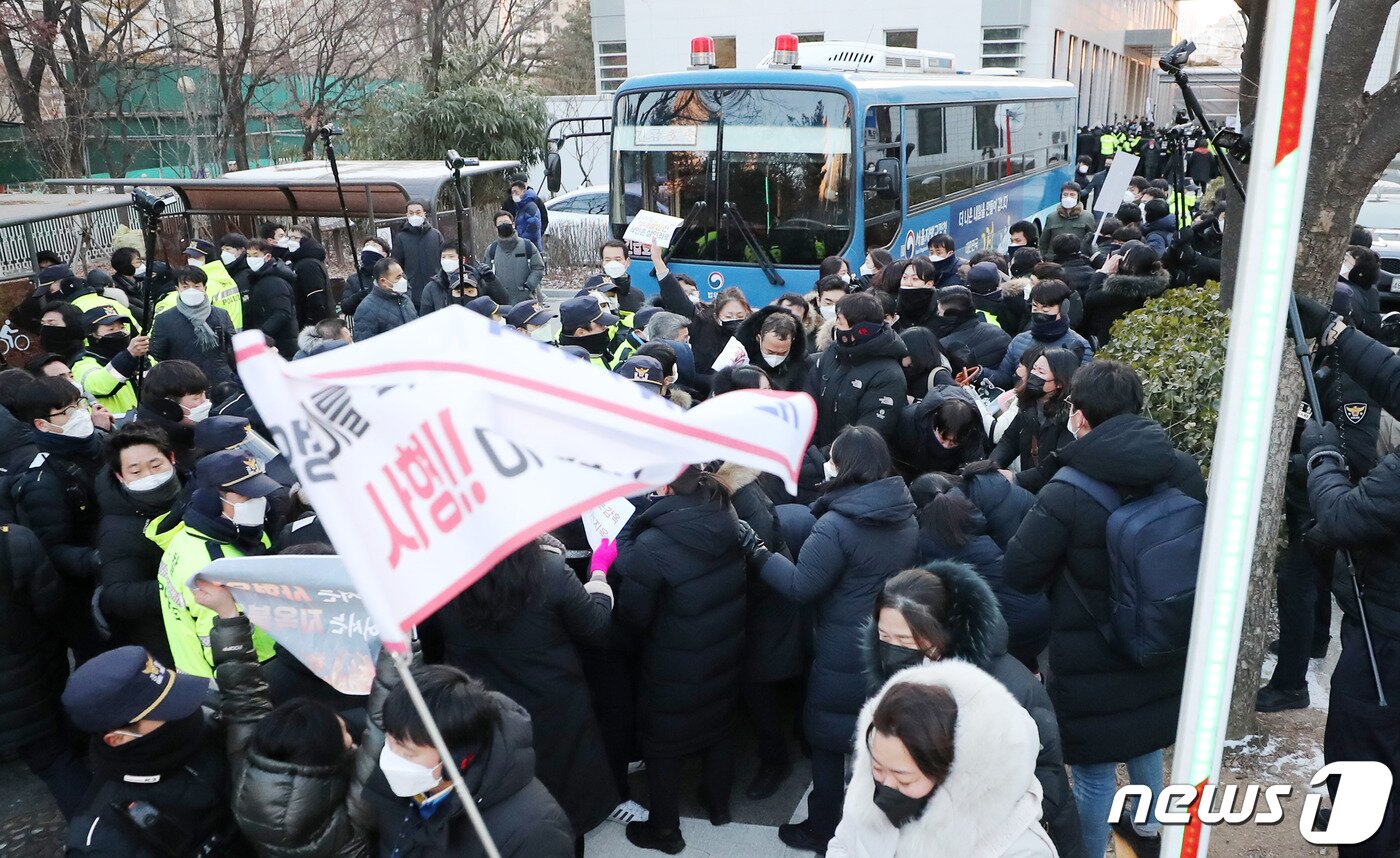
256 263
614 269
407 778
866 269
845 278
229 257
401 285
191 297
1068 201
154 481
1129 198
416 220
293 246
1069 424
250 513
517 197
140 271
774 360
200 411
606 303
829 468
451 265
828 311
79 425
1347 265
937 257
542 334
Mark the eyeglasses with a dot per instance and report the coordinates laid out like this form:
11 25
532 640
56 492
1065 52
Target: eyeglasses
70 410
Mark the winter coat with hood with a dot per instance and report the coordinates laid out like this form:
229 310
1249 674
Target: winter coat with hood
33 656
1078 272
708 336
916 449
287 810
310 343
1032 436
1003 504
987 342
1004 376
382 310
988 806
773 643
1160 233
1360 303
273 306
313 287
529 223
977 634
859 385
682 586
534 660
864 535
791 374
129 596
418 249
55 497
1113 296
1110 709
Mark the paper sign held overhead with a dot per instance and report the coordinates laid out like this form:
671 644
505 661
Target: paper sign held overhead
1116 182
605 520
651 228
733 354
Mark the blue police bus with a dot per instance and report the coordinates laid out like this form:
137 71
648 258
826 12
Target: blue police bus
775 168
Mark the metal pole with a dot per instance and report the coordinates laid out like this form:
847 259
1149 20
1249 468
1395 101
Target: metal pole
403 661
340 193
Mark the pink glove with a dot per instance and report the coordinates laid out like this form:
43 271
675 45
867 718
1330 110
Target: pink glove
604 556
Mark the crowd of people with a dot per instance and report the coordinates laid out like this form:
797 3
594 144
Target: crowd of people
923 618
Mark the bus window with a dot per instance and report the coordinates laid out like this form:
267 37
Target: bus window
883 212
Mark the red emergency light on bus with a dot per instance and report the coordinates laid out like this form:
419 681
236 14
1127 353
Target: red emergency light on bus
702 52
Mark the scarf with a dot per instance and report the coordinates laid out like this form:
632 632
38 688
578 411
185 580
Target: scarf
913 305
204 514
199 318
160 752
87 450
1049 332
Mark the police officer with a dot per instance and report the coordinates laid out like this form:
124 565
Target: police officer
1360 519
225 518
112 358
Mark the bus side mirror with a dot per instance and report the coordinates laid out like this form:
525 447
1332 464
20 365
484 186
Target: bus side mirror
553 172
884 179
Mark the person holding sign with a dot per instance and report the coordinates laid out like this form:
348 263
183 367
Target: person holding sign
711 325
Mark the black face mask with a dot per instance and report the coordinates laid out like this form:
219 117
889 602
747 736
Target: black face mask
505 230
947 323
1035 385
109 345
899 808
894 658
60 340
368 258
914 304
858 334
732 326
596 344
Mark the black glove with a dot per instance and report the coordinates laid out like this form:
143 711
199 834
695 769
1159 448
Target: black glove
1317 436
752 545
1313 315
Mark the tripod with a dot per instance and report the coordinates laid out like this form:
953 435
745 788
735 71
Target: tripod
1173 63
328 131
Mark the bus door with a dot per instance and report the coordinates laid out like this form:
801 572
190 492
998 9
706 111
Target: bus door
882 184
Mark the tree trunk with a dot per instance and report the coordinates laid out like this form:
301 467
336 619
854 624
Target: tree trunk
1255 13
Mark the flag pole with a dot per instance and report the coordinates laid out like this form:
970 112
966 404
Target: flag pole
403 661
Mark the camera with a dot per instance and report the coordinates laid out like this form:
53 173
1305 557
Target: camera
151 204
330 129
455 161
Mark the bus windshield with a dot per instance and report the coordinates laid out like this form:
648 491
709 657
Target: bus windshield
768 164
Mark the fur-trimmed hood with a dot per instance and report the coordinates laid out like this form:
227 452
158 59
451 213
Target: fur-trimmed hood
977 632
989 805
736 476
1015 287
826 335
1137 286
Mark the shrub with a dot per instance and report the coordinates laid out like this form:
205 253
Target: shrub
1176 343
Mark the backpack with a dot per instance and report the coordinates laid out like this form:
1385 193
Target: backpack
1154 549
544 217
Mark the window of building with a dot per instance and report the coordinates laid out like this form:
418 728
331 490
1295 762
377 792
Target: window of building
811 37
1003 47
901 38
1055 56
726 52
612 65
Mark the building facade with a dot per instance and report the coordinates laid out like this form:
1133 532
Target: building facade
1107 48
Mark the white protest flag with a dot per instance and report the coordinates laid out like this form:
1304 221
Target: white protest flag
733 354
434 450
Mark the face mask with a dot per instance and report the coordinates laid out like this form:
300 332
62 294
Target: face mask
407 778
200 411
293 245
192 297
1043 318
416 220
899 808
845 278
731 326
1069 424
862 333
614 269
79 425
829 468
1083 169
109 345
517 197
505 230
229 257
1035 384
542 334
1068 202
594 344
828 311
140 270
894 658
400 285
774 360
867 270
154 481
937 257
1129 198
369 257
1346 268
157 488
451 265
256 263
59 339
250 513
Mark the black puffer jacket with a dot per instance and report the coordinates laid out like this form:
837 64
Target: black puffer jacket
977 634
172 338
533 658
864 535
1078 272
1362 517
1360 303
1003 504
773 630
1032 436
313 287
357 286
381 311
1109 709
791 374
17 448
1113 296
418 249
683 585
987 342
286 810
33 658
707 336
129 597
55 498
861 385
273 306
916 448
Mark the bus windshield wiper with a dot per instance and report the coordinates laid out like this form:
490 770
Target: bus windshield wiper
746 232
676 237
